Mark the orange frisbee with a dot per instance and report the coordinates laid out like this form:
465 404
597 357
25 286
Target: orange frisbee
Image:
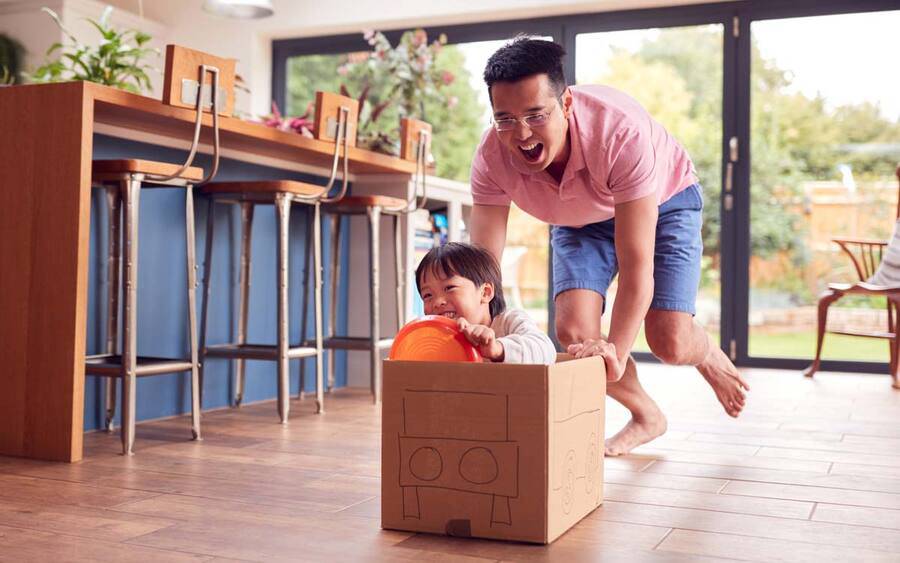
433 338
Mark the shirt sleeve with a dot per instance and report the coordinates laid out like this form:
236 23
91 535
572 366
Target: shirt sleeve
485 190
632 170
523 342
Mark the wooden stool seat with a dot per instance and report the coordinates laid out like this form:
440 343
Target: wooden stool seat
103 168
358 204
263 187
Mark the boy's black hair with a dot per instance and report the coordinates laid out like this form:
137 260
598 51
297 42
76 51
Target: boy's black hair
523 57
471 262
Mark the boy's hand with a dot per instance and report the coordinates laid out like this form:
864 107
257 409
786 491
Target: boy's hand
607 350
483 338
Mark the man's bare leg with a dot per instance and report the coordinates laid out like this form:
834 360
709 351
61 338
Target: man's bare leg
675 338
578 319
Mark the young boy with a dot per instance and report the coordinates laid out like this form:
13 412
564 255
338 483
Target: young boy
462 282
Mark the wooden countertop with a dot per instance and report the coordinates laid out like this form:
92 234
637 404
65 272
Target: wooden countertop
123 109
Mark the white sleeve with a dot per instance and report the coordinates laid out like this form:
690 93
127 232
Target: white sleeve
523 342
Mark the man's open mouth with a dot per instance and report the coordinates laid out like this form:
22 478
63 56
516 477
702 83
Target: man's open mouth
532 152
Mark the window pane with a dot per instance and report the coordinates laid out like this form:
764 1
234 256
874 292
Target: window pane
676 74
825 129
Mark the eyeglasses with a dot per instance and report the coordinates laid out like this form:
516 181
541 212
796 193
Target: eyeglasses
531 120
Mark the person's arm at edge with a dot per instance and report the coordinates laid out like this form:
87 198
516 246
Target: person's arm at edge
635 234
487 228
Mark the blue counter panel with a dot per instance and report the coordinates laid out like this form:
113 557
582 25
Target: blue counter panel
162 295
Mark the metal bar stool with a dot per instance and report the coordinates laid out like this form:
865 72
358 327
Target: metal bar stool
282 194
123 181
415 142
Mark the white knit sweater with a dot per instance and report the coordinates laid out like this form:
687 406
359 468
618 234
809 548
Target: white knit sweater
523 342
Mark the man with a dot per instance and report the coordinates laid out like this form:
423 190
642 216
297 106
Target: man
622 197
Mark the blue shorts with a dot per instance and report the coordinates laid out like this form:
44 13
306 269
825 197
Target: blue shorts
585 257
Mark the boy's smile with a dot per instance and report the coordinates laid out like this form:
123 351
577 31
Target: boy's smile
456 297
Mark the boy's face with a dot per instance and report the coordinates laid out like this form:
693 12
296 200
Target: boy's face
455 296
540 145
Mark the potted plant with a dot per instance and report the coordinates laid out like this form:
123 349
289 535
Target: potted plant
119 60
404 76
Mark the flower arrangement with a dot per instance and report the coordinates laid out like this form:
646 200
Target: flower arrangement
406 76
301 124
117 61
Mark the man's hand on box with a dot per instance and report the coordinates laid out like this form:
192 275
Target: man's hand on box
483 338
607 350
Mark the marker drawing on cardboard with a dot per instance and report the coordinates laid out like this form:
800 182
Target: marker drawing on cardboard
439 456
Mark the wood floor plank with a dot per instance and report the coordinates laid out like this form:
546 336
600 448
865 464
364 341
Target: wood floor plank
877 446
23 545
761 462
708 501
749 525
830 456
73 520
813 494
746 548
643 479
873 471
858 516
844 480
19 488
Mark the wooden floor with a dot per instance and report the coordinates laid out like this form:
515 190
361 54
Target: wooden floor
810 472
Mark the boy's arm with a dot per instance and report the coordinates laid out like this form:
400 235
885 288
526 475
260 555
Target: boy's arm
523 342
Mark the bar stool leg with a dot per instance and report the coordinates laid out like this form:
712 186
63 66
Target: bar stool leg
335 281
190 240
374 214
243 297
283 216
131 192
204 313
317 267
304 313
114 210
399 272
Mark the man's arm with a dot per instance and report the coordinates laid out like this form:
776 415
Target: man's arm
635 243
487 227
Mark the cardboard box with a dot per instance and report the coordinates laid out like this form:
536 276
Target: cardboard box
502 451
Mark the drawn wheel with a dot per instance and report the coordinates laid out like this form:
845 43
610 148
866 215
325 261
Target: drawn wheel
591 464
569 482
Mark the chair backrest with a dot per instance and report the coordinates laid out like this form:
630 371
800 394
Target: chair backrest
201 82
328 110
336 120
182 78
415 145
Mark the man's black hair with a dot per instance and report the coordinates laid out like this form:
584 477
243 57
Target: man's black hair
523 57
471 262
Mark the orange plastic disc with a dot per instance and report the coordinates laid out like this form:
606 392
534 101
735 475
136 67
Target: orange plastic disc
433 338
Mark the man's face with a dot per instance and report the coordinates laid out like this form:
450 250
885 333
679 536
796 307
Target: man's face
544 142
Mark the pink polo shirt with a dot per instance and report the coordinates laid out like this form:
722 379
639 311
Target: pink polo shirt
618 154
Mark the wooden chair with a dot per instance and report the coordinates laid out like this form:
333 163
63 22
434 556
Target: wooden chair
415 143
196 81
866 255
336 119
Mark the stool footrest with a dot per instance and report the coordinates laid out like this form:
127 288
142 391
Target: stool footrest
256 351
354 343
111 365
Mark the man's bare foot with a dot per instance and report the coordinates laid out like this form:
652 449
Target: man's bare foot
638 431
725 380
